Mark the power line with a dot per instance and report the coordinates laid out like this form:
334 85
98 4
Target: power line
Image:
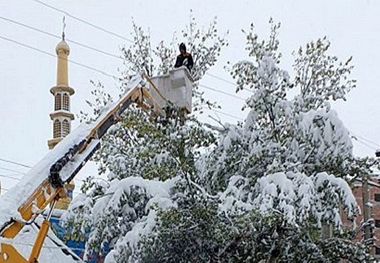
10 177
21 173
100 71
45 246
13 162
110 54
11 170
101 29
220 78
226 81
19 179
367 140
59 37
83 21
222 92
107 53
229 115
365 144
52 55
356 137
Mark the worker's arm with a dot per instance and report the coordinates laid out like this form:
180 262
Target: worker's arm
190 61
178 62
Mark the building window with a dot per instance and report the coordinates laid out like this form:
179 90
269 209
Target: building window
65 128
58 101
57 129
377 197
66 103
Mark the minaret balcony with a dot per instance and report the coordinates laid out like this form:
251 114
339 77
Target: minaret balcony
53 142
62 88
61 113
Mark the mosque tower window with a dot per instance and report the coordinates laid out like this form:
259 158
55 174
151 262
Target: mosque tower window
66 102
65 128
57 129
58 101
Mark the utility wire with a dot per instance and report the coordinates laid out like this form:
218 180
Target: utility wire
52 55
21 164
10 177
112 55
59 37
101 51
220 78
11 170
92 68
227 114
114 77
367 140
226 81
12 162
19 179
45 246
365 144
222 92
114 34
82 20
118 57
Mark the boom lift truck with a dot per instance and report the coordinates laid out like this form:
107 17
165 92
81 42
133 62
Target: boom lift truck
44 184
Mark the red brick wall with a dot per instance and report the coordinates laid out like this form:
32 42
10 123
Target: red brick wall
375 211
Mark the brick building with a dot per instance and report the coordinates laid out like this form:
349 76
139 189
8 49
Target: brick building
374 200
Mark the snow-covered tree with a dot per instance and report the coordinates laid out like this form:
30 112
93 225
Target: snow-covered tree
144 158
199 232
271 183
292 150
256 191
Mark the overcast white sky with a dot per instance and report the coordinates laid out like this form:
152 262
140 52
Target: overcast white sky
353 27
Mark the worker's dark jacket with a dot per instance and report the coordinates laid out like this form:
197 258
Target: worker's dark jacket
184 60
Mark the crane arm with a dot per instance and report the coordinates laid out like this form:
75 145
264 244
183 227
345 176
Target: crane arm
76 149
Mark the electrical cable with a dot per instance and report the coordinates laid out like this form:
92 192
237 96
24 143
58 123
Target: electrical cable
11 170
52 55
365 139
10 177
226 81
222 92
82 20
227 114
12 162
59 37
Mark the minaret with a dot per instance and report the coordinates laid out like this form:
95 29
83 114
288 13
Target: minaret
61 116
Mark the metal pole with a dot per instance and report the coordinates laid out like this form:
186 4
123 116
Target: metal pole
367 214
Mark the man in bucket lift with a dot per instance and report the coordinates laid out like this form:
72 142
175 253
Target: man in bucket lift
184 59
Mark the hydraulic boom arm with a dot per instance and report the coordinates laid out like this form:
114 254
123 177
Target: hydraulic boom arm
69 157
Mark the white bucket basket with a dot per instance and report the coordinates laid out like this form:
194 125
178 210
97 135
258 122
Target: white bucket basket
176 87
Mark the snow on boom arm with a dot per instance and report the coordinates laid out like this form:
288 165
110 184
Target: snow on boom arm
44 184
